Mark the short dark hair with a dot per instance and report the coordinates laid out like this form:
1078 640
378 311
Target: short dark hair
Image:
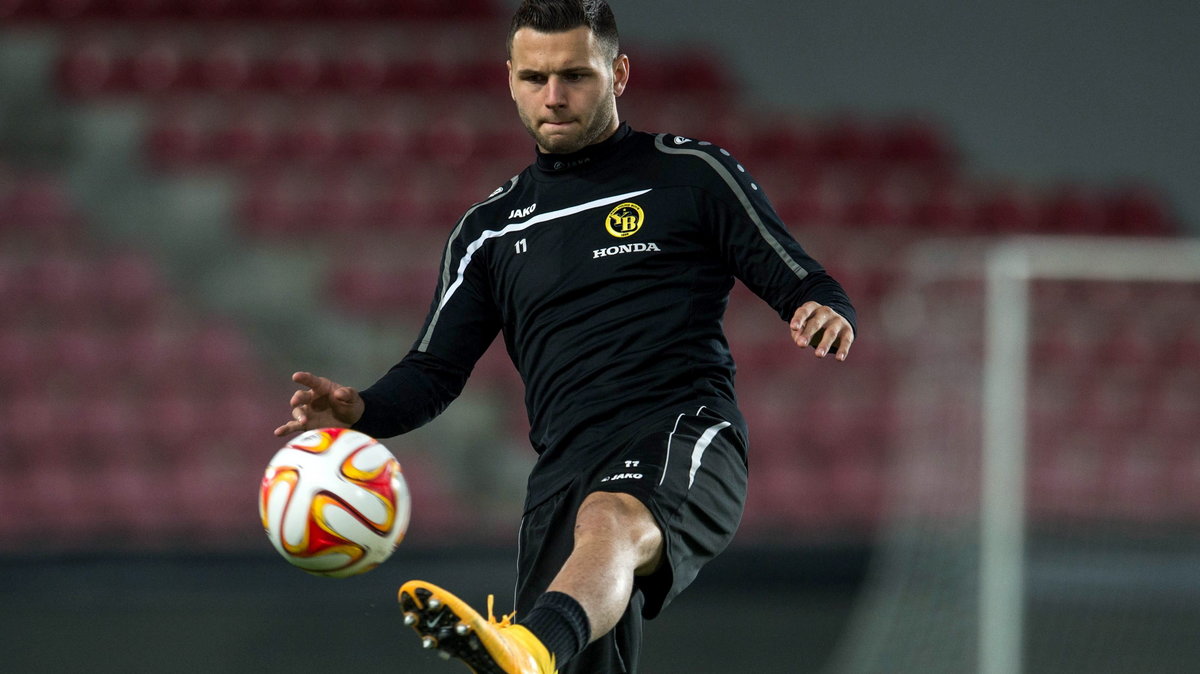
557 16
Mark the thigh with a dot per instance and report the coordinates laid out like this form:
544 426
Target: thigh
692 477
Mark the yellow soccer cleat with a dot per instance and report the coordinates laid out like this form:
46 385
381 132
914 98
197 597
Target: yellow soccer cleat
487 646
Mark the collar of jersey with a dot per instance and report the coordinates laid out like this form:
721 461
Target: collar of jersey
588 156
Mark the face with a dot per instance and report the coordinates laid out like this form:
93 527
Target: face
565 87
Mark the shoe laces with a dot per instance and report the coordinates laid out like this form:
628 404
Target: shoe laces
504 621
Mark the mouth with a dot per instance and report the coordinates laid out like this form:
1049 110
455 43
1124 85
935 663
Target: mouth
556 125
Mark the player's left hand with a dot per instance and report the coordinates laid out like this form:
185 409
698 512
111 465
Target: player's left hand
822 328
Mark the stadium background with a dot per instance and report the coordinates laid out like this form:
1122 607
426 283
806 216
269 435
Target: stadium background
190 209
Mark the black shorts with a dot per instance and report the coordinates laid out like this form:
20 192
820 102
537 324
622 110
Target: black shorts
690 472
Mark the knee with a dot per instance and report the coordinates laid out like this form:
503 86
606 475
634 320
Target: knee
623 519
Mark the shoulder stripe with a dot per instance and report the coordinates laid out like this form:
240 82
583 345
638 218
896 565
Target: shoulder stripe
452 286
445 278
740 193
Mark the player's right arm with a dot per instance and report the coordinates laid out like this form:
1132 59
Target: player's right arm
462 322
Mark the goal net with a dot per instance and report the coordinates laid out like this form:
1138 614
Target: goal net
1044 508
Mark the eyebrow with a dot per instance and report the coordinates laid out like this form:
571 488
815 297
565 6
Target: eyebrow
526 72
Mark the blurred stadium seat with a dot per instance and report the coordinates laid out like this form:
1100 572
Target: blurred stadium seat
322 124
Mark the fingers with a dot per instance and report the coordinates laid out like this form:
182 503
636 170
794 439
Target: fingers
298 423
302 400
289 428
844 343
319 385
822 328
323 403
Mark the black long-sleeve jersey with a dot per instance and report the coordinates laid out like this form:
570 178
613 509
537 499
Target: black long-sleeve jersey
608 272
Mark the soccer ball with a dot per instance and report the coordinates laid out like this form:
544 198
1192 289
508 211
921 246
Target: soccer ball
334 502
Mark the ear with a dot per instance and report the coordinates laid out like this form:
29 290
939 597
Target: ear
620 74
512 93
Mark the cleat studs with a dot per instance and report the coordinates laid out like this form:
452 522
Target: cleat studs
443 655
428 642
462 629
433 604
410 619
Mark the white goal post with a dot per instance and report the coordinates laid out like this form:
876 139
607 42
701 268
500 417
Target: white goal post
1010 267
1020 530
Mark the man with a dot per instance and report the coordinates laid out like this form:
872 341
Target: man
606 264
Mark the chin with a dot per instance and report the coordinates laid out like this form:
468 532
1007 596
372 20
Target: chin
560 144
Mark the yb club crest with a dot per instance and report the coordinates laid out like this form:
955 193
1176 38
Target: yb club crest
624 220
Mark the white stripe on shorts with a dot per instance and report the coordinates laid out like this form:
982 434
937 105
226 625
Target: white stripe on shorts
702 444
670 439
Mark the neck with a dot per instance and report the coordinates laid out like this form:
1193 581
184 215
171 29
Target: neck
558 163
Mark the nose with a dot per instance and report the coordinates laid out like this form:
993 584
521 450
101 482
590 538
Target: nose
556 92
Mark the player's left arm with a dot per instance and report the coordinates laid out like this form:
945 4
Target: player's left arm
762 253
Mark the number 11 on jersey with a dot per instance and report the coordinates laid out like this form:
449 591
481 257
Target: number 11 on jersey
521 246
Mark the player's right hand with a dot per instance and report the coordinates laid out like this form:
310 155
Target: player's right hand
323 404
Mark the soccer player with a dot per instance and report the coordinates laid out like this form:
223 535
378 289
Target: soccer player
606 264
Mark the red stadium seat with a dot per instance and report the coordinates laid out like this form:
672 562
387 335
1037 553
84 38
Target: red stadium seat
1138 211
81 354
228 65
1071 210
947 208
157 66
154 356
380 138
219 347
918 143
1067 479
438 514
90 67
296 68
173 422
40 204
1006 210
38 428
130 289
1183 480
792 495
1136 483
361 67
311 137
881 204
178 140
850 140
338 205
695 71
383 291
270 206
55 507
246 140
1182 349
60 283
25 358
815 201
784 139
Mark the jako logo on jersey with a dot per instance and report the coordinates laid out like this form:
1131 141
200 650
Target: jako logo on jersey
626 248
624 220
522 212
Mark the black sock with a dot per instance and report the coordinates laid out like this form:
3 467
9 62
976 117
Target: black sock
560 623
